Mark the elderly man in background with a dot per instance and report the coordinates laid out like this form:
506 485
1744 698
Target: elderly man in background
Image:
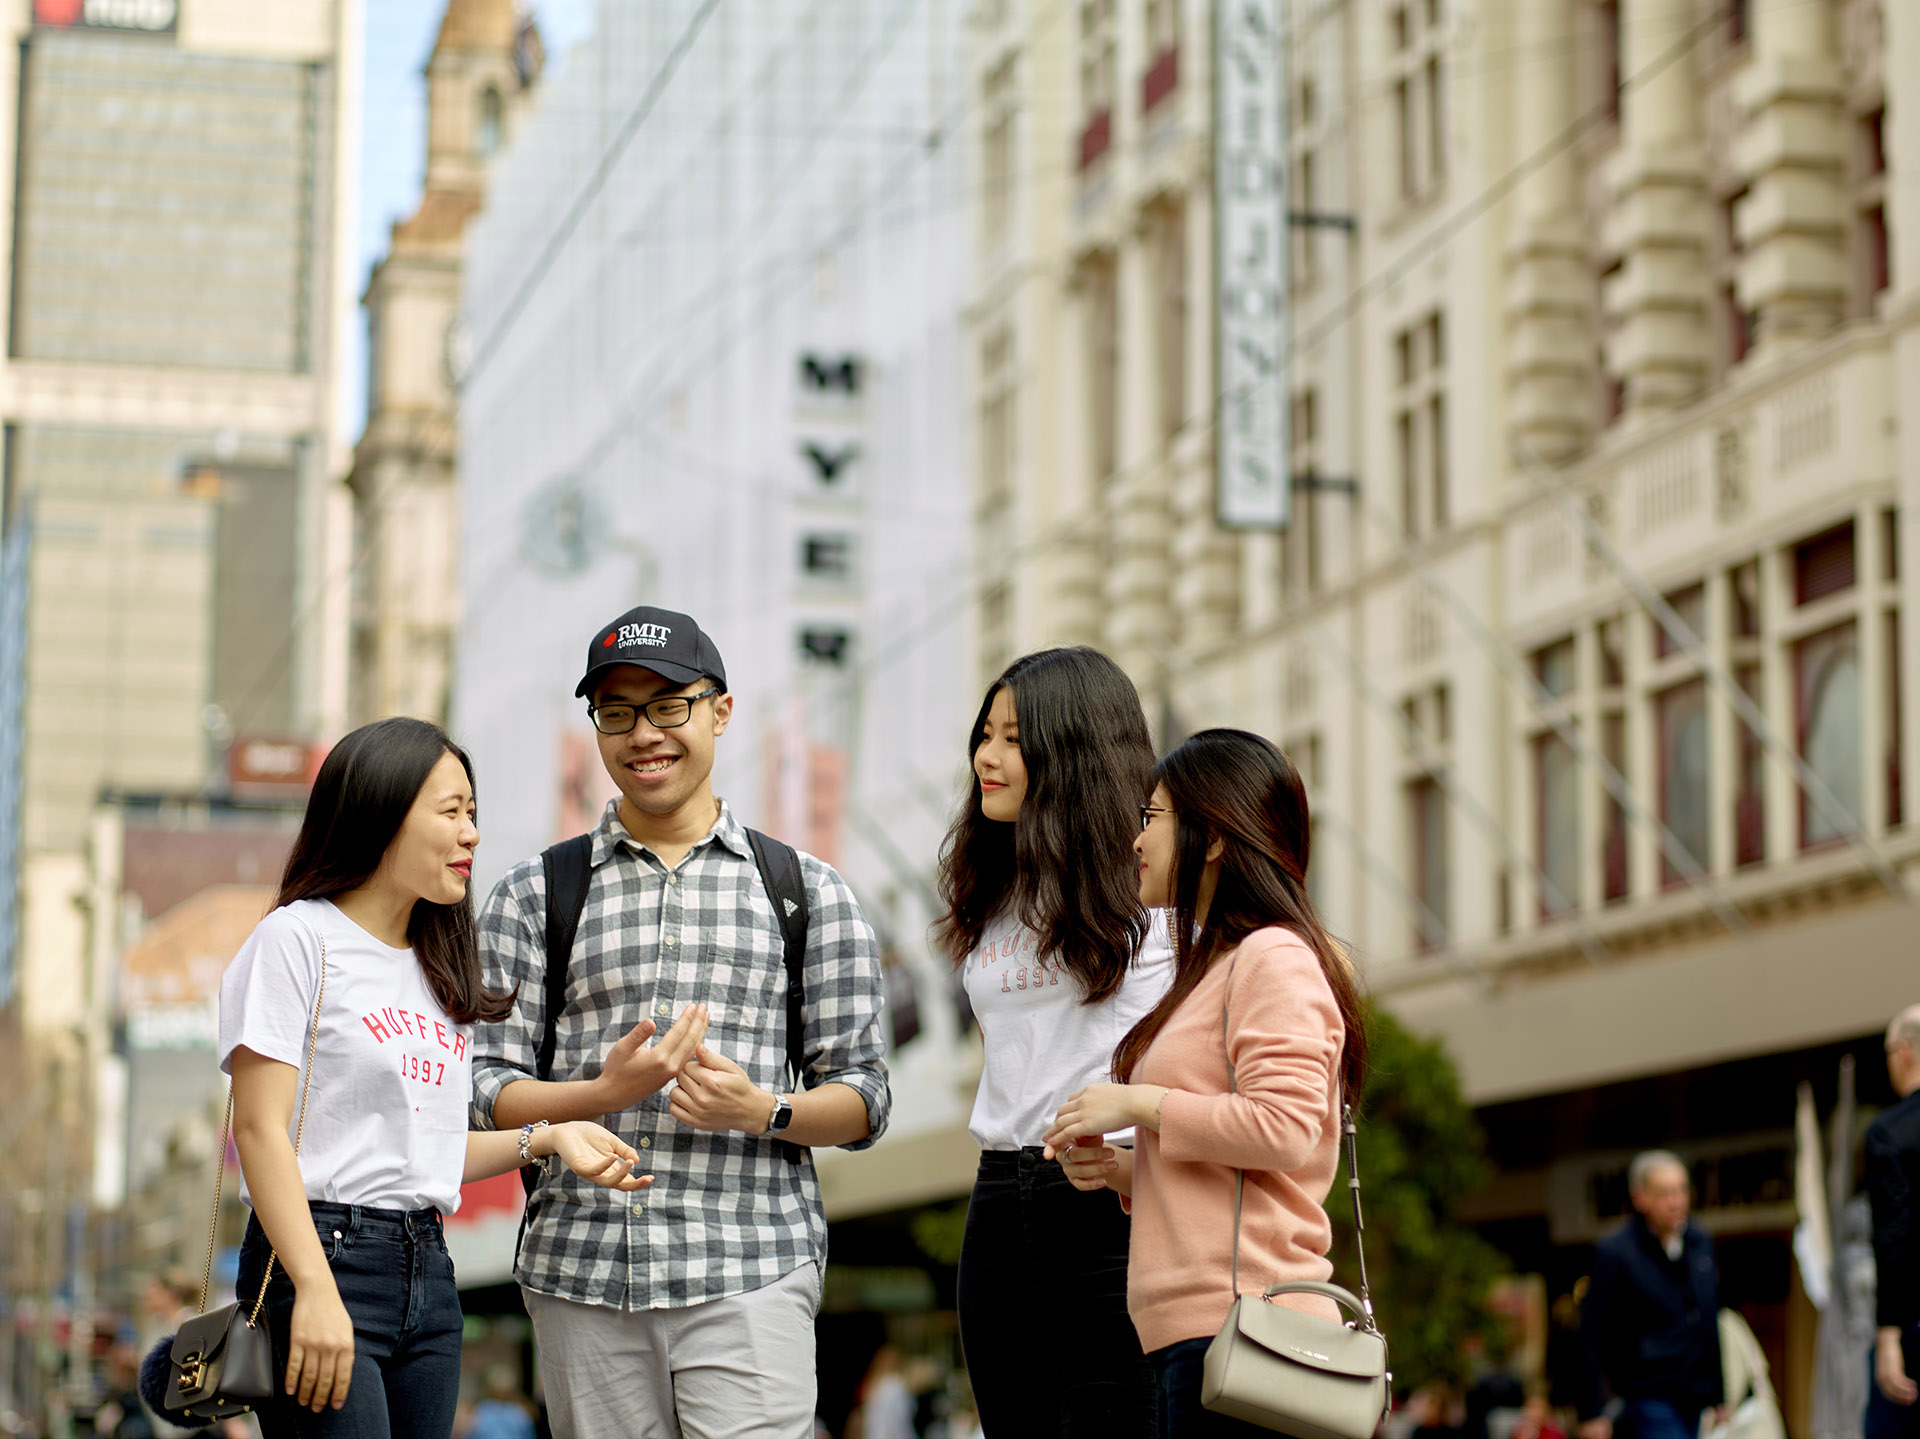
1649 1332
1893 1188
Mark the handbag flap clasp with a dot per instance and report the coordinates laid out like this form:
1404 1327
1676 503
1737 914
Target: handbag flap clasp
1317 1343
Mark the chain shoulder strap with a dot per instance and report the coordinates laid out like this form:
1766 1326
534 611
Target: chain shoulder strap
226 1133
1349 1133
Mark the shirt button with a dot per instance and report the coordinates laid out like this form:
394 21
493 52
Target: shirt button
671 941
646 1141
663 1008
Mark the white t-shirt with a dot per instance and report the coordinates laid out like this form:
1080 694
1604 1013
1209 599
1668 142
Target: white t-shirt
393 1075
1042 1042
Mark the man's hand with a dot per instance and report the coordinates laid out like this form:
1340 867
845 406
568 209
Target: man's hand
635 1069
715 1094
1890 1367
1598 1427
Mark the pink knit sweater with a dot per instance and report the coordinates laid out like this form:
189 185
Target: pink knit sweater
1281 1127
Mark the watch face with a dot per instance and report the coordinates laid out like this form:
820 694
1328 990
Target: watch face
782 1117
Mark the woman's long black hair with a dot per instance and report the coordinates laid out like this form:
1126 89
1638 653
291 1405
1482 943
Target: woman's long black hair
366 785
1066 866
1238 788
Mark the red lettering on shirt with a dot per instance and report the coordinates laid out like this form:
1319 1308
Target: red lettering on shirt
380 1031
440 1033
459 1045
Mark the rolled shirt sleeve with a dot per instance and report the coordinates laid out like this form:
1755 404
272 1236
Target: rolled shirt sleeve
844 1040
513 952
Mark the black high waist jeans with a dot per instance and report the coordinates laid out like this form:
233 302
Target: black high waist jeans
396 1279
1043 1307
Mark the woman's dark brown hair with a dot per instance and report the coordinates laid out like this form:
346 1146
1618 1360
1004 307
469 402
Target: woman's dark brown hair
1237 788
366 785
1066 866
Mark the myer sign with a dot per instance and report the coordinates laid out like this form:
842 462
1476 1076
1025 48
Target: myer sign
155 15
1252 450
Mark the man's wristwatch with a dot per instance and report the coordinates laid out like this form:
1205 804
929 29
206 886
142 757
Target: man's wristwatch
782 1115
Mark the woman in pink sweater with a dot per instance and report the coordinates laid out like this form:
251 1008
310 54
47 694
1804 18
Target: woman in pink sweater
1223 844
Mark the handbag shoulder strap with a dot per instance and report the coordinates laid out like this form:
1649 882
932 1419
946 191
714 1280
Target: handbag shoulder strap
1349 1133
226 1134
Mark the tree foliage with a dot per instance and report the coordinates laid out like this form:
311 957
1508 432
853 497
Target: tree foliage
1421 1153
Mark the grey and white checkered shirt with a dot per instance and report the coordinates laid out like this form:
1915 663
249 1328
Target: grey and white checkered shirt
727 1213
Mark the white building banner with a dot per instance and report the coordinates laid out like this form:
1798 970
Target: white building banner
1252 449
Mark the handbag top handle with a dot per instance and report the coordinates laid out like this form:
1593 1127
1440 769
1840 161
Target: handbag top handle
1353 1161
226 1132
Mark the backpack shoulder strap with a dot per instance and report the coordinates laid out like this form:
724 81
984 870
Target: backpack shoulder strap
779 869
569 870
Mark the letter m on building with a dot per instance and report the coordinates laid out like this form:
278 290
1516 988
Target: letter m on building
822 373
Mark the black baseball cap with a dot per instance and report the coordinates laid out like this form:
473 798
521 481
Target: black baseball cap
664 641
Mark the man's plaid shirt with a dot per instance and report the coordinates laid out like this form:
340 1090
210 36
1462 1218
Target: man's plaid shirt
727 1213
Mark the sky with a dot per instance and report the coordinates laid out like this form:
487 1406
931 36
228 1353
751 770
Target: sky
393 146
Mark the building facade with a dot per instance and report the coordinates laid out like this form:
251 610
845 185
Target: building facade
1585 630
406 600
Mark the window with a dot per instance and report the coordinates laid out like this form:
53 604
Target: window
1749 798
1420 425
1416 40
1098 56
1300 551
1827 693
1870 210
997 152
1690 605
1896 811
1163 51
999 396
1427 829
1429 732
490 120
1103 368
1554 666
1735 320
1556 777
827 557
1680 720
826 646
1169 231
1613 838
1823 565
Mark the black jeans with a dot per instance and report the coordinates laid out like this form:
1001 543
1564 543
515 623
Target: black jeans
1043 1306
1179 1367
396 1279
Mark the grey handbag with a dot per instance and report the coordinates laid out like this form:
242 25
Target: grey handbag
1291 1372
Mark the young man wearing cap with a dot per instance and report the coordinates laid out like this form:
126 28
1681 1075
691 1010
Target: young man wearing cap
689 1305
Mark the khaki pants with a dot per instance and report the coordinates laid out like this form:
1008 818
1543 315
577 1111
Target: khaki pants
739 1368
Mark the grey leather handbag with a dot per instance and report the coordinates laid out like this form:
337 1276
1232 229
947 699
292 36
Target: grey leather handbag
1296 1373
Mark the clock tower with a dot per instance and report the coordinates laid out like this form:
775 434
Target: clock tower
406 583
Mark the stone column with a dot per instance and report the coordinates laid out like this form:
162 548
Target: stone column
1792 150
1659 219
1549 319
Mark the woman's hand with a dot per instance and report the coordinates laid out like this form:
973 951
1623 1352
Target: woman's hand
1091 1165
319 1348
594 1152
1102 1108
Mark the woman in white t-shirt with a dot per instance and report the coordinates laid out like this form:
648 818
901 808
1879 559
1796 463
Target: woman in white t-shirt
373 922
1059 961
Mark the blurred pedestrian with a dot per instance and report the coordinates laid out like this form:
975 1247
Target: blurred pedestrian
1058 958
1893 1188
502 1411
1241 1067
359 991
1649 1330
696 1305
1537 1419
886 1403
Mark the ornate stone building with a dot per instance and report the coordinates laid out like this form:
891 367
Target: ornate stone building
1586 630
406 596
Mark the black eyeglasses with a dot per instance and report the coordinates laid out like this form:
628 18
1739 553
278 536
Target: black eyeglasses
1147 812
670 712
